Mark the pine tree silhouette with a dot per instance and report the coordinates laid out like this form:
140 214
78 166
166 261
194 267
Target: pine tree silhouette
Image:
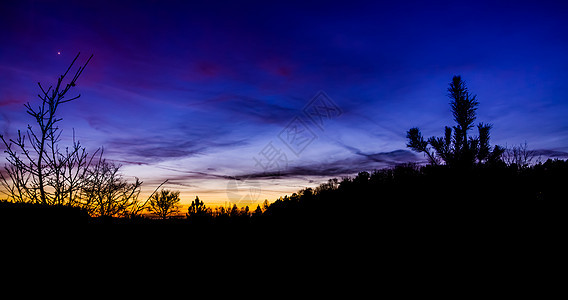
455 148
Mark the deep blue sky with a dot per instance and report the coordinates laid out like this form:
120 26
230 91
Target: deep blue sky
194 92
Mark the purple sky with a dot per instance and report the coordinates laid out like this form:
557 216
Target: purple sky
196 92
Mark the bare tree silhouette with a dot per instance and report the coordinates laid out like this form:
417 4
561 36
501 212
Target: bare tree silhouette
106 193
37 170
520 156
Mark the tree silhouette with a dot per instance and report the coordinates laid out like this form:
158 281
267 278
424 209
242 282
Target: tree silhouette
106 193
457 150
258 211
520 157
197 208
37 169
164 203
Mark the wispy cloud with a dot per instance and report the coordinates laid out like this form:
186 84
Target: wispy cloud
342 167
154 149
550 153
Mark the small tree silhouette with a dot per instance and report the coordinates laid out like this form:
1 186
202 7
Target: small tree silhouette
457 150
197 208
258 211
164 203
520 156
106 193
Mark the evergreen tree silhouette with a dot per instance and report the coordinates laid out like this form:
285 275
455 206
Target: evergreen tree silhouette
197 208
455 148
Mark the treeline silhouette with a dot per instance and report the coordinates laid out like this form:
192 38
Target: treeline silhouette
429 193
481 195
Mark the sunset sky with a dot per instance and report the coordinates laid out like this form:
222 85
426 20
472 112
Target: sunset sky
203 93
